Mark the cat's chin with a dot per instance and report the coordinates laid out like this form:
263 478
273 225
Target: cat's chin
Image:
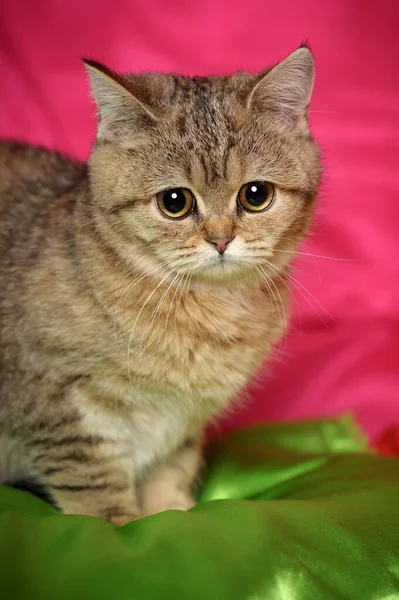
226 272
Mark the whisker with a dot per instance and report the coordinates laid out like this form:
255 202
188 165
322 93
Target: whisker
181 277
123 297
186 280
314 300
121 302
266 278
116 302
135 323
278 275
153 317
302 287
184 254
299 253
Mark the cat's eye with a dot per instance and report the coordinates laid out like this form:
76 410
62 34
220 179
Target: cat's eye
256 196
175 203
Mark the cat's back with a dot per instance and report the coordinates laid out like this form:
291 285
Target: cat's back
30 177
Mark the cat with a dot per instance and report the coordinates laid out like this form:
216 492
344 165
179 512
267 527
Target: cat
140 293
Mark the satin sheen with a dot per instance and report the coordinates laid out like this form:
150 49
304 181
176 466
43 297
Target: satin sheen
295 512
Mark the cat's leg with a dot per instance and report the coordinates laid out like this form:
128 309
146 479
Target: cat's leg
88 475
169 485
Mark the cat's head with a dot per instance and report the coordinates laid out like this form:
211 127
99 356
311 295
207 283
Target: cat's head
211 176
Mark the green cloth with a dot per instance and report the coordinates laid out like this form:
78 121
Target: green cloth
288 512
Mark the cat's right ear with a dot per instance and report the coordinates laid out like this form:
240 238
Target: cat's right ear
119 112
286 89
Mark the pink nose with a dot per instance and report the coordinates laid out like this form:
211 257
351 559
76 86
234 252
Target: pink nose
220 243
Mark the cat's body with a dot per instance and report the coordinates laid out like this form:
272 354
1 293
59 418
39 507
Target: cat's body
112 359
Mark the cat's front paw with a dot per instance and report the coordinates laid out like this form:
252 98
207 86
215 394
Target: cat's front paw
122 519
177 500
181 501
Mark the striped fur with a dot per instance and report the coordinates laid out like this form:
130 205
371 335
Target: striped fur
124 332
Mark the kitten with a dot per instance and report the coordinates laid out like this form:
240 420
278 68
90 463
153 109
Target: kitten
141 292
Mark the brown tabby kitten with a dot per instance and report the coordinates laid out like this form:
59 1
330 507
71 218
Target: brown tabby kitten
139 294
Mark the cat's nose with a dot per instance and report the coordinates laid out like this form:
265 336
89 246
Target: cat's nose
221 243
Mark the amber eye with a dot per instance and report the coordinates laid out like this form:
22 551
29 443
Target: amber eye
175 203
256 196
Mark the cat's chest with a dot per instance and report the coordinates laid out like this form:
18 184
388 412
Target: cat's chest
206 345
184 365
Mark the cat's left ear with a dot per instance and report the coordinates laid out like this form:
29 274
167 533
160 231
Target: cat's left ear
120 109
287 88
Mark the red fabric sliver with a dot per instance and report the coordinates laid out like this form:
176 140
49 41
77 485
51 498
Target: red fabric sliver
388 443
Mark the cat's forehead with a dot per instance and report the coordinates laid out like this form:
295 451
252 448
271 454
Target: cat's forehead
200 120
208 137
208 119
171 89
197 105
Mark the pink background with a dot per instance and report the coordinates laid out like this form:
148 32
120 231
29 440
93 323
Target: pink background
344 354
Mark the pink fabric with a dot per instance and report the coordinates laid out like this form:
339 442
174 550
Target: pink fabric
343 356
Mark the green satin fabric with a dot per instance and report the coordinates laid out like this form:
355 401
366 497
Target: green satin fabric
294 512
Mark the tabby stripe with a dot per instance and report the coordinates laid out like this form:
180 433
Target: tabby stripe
303 193
227 153
190 443
175 91
52 471
207 173
76 456
108 250
88 487
46 424
89 440
118 207
54 463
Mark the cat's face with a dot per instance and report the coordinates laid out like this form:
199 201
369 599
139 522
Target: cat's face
211 177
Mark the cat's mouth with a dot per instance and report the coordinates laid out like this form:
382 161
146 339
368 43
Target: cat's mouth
220 267
209 263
